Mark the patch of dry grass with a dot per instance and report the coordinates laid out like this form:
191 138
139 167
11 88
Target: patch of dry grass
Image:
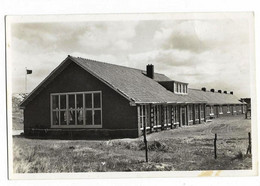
189 148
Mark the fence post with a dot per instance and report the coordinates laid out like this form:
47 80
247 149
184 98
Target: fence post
145 143
215 146
249 144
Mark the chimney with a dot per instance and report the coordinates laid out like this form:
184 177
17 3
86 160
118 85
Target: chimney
203 89
231 92
212 90
225 92
220 91
150 71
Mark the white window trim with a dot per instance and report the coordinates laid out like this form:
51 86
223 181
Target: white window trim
142 112
234 109
180 88
211 111
228 109
84 109
220 110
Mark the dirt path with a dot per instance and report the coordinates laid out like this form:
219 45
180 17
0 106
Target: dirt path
226 127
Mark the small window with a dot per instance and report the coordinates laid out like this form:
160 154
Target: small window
211 110
175 87
55 102
88 100
88 117
220 110
97 100
71 101
142 115
79 101
63 102
228 109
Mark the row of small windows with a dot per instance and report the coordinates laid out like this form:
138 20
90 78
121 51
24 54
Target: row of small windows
180 88
166 115
157 115
228 108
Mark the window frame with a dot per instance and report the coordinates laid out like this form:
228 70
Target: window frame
211 113
84 109
180 88
220 109
142 115
234 109
228 109
190 113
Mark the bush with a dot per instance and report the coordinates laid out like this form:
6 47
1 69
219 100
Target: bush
239 156
154 146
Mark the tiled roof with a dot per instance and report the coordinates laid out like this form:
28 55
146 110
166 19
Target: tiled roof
213 97
133 83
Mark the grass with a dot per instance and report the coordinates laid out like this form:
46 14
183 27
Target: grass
183 149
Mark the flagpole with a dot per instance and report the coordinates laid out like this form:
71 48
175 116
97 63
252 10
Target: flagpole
25 79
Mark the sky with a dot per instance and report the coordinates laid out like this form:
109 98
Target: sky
211 53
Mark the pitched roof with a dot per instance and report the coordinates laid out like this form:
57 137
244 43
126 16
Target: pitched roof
134 85
132 82
213 97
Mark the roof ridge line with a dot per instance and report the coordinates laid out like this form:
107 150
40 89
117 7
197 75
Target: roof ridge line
114 64
105 63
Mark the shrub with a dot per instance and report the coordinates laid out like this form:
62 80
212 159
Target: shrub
154 146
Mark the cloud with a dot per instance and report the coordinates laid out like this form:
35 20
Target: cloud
110 37
201 35
211 53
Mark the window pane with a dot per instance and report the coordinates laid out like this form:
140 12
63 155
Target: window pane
63 118
97 100
55 118
79 100
71 101
89 117
80 117
88 100
55 102
72 114
63 101
97 117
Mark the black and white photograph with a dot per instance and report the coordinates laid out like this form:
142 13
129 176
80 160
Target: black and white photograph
118 94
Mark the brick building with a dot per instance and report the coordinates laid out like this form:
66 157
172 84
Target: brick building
85 99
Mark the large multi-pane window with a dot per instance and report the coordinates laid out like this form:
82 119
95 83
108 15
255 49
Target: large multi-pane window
80 109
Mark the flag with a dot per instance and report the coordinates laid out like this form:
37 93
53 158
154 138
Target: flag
28 71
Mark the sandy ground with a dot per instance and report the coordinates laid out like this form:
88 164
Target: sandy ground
225 128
